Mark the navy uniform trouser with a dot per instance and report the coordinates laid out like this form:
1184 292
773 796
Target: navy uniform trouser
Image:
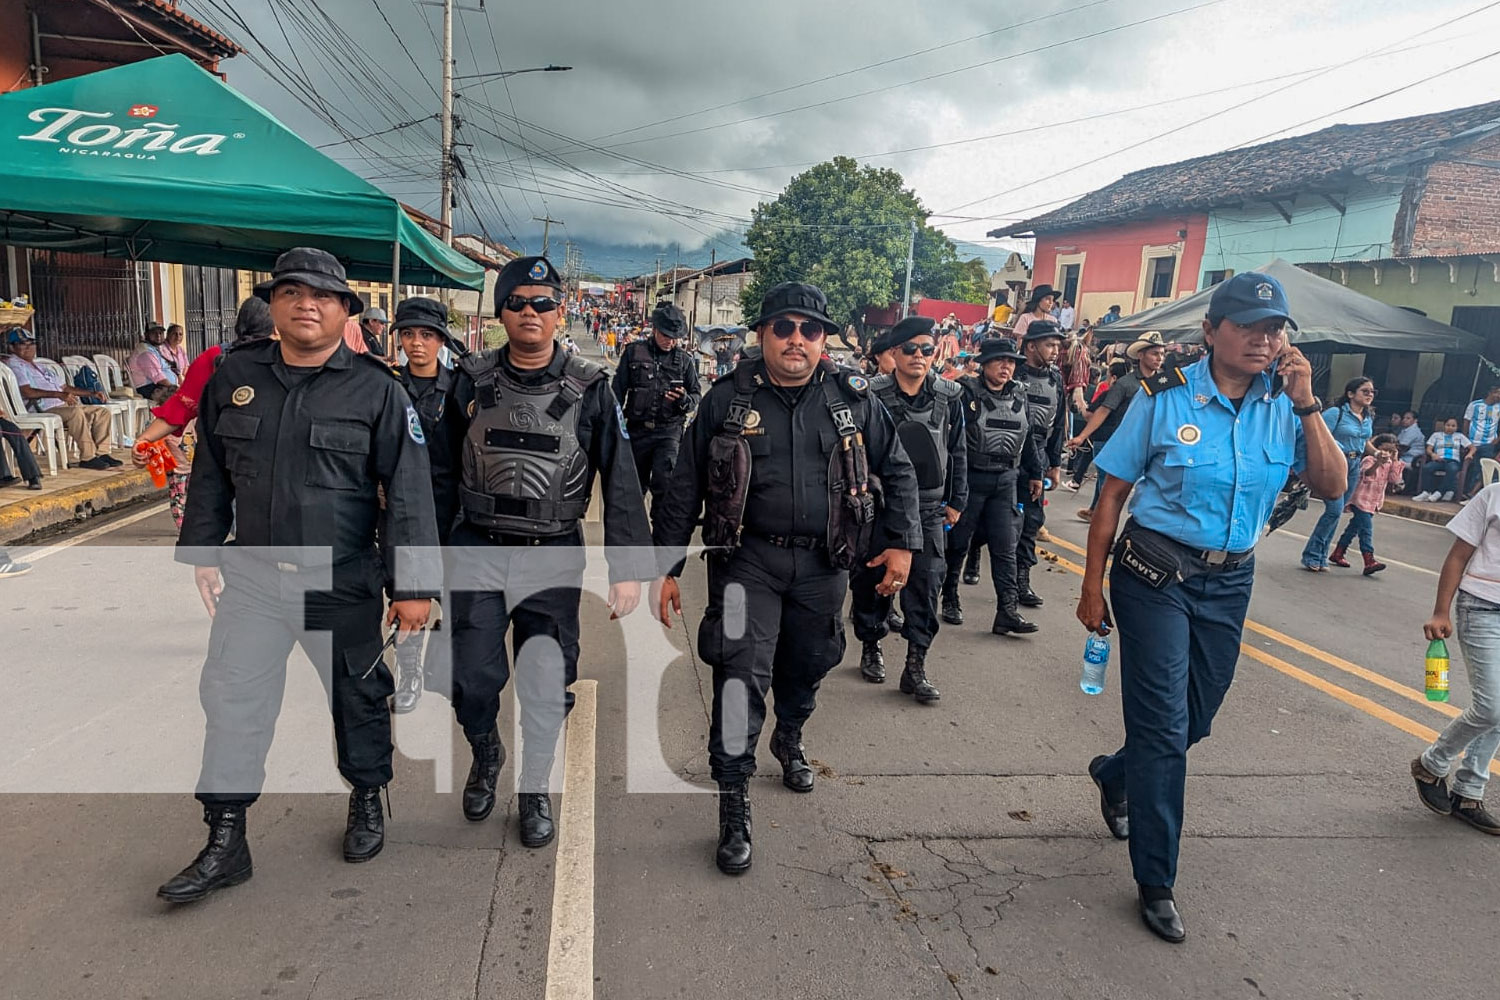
1031 524
773 625
991 513
1178 649
530 588
919 598
263 612
655 450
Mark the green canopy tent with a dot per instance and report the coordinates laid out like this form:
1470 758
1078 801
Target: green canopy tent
161 160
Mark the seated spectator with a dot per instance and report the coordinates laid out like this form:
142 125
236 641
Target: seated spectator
44 392
175 350
1446 451
1413 445
148 369
25 460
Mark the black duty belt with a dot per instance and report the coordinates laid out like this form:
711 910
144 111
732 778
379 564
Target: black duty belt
792 541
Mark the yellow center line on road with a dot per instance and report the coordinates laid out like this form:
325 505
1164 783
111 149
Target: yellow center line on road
1357 701
570 945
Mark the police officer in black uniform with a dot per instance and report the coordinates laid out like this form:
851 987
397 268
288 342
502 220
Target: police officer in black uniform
1002 456
421 332
929 416
295 437
541 426
657 384
1049 426
783 450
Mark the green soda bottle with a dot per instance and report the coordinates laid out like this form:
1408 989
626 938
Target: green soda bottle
1437 670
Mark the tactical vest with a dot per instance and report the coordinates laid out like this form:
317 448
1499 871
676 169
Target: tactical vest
853 492
996 428
523 469
648 380
923 431
1044 395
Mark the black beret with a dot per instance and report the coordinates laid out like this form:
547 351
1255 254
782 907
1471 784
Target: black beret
911 326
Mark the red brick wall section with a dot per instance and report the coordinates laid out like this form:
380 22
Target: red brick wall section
1460 209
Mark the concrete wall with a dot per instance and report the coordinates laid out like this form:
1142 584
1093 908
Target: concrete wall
1246 238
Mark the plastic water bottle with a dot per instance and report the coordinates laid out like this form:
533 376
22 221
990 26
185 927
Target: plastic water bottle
1095 662
1437 670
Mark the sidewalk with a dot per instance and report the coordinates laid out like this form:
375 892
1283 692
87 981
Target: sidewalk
73 494
1432 513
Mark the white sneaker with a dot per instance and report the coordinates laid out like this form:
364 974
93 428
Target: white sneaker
1419 498
1448 497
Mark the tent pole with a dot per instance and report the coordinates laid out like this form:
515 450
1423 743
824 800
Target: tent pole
395 278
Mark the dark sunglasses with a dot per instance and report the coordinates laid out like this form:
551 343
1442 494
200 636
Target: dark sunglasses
540 303
811 328
926 350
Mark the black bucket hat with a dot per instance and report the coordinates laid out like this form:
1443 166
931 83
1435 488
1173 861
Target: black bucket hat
428 313
795 297
1039 293
995 348
1042 329
314 268
669 319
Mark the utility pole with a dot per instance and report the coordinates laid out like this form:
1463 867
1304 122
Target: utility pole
911 252
446 170
547 223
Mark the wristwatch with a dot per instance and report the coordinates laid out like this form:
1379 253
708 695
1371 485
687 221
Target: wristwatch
1316 406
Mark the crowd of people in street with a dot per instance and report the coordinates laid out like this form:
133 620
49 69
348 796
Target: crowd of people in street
880 481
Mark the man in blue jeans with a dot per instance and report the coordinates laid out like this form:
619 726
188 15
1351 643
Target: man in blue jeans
1209 446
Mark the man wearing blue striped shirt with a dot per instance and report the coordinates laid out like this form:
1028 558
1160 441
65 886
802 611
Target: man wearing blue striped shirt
1482 426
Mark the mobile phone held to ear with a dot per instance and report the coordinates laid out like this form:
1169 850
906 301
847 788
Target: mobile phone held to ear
1277 382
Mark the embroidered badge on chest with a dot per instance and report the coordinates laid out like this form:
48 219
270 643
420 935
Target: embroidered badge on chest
242 395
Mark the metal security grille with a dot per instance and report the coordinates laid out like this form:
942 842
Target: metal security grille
209 300
88 305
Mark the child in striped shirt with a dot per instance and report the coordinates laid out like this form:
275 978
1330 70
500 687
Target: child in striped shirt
1377 473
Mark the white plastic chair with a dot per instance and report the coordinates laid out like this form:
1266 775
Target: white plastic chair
114 380
54 439
121 421
1489 471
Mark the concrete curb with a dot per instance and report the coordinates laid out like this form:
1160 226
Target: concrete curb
1439 513
28 516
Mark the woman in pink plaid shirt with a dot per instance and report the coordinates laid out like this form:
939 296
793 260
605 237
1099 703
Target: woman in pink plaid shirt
1377 473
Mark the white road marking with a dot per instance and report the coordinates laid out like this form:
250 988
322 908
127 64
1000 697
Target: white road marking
570 946
93 533
1388 562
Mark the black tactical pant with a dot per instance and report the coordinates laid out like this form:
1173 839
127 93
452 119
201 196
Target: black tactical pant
772 625
1031 523
655 451
919 598
263 612
992 510
532 588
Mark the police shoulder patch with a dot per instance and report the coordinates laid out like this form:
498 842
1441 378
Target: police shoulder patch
1167 378
414 425
858 383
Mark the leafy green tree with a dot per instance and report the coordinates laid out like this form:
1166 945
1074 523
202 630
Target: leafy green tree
846 229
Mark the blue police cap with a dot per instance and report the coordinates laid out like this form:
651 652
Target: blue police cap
1249 298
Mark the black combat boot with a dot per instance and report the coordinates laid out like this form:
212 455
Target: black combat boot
537 828
479 790
223 862
733 854
871 662
409 663
953 611
971 567
1008 618
786 746
364 834
1025 596
894 621
914 677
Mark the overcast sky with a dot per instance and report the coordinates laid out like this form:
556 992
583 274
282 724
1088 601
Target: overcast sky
636 65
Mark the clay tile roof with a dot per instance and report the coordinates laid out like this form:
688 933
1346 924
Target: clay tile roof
1318 160
168 11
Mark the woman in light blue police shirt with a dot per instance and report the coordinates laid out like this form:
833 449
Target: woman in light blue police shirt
1352 422
1206 449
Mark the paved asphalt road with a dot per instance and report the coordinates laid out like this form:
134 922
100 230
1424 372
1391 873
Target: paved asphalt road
948 851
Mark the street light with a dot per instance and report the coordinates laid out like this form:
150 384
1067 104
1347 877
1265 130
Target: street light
513 72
